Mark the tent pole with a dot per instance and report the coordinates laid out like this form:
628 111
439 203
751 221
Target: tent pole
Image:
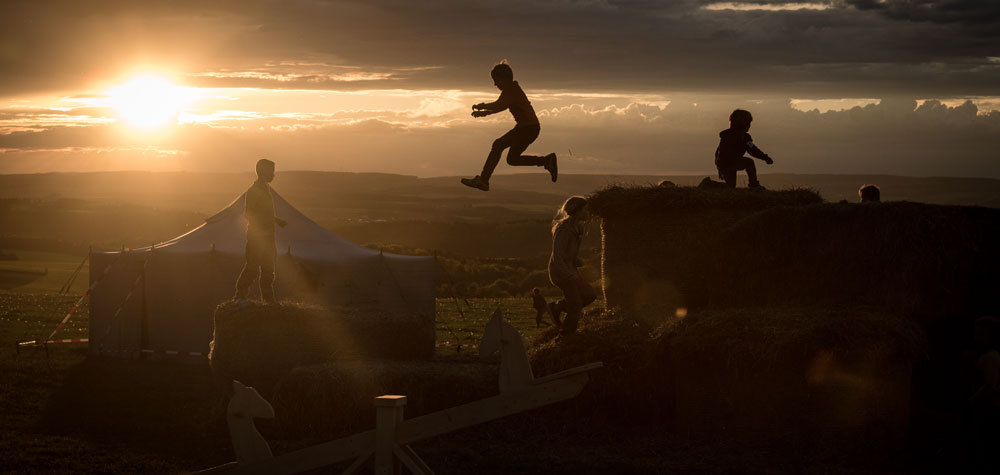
144 322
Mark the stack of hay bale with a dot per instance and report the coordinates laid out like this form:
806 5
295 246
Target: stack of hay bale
660 244
832 384
260 343
785 322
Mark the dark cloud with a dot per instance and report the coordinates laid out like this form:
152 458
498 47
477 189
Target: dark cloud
894 136
970 12
921 48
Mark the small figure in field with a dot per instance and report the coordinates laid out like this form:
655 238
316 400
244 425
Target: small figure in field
869 194
518 139
541 307
733 143
261 251
567 234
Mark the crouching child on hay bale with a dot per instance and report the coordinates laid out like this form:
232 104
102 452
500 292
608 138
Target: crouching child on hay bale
567 234
261 251
525 130
734 142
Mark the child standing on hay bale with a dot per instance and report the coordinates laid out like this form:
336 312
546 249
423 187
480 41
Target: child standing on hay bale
525 130
261 252
538 302
734 142
567 234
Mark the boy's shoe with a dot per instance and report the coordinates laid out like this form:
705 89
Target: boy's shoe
756 187
477 183
552 165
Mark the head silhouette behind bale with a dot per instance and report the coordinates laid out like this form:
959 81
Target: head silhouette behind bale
869 194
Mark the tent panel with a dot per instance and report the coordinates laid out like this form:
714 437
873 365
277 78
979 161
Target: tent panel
110 334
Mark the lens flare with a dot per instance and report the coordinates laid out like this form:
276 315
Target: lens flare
148 102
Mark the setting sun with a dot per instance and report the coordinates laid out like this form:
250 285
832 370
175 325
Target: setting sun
148 102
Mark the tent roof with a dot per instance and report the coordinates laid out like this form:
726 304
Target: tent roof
301 237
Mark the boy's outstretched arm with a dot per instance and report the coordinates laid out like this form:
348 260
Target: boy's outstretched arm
486 108
758 153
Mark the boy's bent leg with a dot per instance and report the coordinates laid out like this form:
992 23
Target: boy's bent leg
729 175
751 169
525 160
521 138
506 140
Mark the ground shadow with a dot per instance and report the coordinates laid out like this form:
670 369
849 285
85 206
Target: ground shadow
174 411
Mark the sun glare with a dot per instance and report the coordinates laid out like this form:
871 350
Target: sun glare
148 102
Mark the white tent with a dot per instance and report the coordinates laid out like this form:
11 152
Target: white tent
162 298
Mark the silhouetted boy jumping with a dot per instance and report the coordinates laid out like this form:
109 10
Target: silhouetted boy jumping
261 251
525 130
733 143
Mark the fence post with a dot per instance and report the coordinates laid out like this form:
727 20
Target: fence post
388 416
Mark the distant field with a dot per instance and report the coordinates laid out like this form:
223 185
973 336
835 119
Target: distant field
35 271
67 212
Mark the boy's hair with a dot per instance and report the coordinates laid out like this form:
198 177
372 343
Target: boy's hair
264 164
740 116
536 290
869 193
502 71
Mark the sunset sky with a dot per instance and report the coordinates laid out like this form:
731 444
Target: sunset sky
905 87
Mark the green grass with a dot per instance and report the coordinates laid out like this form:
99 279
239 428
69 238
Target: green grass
460 323
35 271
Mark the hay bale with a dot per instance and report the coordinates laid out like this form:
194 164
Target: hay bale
635 383
334 399
670 248
918 259
644 201
260 343
657 242
797 380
